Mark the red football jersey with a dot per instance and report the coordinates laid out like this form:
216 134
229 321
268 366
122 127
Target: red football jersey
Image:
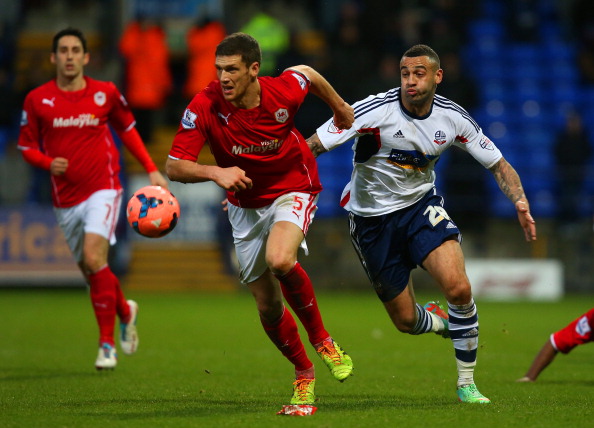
263 141
74 125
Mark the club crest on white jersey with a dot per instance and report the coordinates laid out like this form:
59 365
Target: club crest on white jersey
332 129
440 138
487 144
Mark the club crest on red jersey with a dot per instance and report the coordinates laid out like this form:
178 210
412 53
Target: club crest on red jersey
100 98
282 115
301 80
189 119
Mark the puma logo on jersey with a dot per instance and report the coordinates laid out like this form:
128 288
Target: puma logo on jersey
225 118
48 102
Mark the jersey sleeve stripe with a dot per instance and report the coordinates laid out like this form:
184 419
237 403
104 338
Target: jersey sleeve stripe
443 102
362 108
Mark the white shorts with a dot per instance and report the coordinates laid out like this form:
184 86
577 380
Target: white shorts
98 214
251 227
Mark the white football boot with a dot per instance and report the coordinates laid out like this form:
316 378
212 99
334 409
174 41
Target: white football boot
107 357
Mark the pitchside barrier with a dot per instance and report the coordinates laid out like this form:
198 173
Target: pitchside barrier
516 279
33 250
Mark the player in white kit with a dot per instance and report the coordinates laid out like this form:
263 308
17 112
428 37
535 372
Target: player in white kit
397 220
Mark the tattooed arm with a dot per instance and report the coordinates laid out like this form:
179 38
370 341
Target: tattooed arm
509 182
315 145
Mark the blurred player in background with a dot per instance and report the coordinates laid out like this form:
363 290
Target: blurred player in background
272 187
578 332
397 219
64 130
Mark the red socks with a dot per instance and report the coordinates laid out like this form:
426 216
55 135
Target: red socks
285 336
122 307
299 293
107 299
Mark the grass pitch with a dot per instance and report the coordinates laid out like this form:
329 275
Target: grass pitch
204 361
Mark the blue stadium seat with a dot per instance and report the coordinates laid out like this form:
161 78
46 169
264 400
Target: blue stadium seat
501 206
494 9
554 50
562 71
523 53
486 27
527 87
565 91
3 140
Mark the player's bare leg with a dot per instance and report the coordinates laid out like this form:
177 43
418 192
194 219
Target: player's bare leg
446 265
281 328
410 317
281 257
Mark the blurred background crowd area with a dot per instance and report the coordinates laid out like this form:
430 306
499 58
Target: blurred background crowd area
524 69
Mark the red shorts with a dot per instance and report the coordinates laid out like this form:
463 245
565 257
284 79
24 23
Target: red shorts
576 333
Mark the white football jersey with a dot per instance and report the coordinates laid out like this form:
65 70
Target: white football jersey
395 152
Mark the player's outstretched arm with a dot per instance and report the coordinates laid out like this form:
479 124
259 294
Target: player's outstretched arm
344 115
315 145
157 179
232 179
134 144
544 357
509 182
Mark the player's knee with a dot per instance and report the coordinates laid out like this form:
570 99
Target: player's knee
459 294
93 262
279 264
270 311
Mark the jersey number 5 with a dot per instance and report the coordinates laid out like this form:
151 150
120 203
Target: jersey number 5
436 214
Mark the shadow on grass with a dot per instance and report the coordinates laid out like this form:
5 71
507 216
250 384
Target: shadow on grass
198 406
29 374
568 382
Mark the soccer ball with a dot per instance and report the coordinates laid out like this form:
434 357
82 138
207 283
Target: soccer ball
152 211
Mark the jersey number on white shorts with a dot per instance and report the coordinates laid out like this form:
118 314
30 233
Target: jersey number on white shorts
297 205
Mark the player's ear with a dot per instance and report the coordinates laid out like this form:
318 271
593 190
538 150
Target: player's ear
53 57
87 58
255 69
438 76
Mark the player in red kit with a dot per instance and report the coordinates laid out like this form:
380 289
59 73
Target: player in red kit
272 187
577 332
64 129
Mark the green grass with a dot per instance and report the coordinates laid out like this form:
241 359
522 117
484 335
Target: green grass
204 361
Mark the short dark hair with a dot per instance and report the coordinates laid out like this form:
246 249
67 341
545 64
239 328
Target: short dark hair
69 32
240 44
423 50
